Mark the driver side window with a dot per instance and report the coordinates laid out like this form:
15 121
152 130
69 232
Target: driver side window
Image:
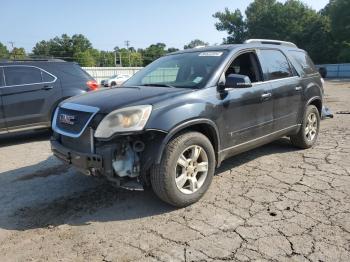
246 64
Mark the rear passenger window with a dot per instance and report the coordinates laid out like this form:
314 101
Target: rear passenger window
274 64
46 77
20 75
1 77
304 61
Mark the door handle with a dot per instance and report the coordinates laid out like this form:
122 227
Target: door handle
266 96
298 88
47 87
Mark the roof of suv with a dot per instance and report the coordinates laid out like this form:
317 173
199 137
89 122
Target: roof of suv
34 62
31 60
252 43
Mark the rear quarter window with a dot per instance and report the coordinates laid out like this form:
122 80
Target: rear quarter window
1 77
303 61
46 77
68 72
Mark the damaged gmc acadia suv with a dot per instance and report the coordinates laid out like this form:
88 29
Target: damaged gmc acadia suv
175 121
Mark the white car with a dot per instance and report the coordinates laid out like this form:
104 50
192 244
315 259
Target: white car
116 80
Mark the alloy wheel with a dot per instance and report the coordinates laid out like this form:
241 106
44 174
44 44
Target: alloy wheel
311 127
191 169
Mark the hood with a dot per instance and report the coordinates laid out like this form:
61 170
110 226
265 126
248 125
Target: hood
108 100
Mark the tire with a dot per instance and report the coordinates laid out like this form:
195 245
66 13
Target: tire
113 83
163 176
305 137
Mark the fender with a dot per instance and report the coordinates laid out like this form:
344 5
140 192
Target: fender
182 126
311 100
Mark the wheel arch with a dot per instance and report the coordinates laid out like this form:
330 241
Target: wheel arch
316 101
204 126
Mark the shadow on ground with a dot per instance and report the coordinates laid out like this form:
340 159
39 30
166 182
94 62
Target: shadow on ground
24 137
105 203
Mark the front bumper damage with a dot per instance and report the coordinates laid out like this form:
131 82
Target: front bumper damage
124 160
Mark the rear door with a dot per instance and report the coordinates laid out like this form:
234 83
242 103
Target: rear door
286 87
28 96
2 117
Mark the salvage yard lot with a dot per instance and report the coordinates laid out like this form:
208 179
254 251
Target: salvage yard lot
275 202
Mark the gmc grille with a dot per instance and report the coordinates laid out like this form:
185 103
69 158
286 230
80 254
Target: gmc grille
72 121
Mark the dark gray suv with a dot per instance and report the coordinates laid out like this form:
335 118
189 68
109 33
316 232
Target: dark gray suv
175 121
30 90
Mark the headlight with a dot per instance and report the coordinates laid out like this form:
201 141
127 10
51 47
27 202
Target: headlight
123 120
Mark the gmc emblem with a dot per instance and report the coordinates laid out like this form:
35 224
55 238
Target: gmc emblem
67 119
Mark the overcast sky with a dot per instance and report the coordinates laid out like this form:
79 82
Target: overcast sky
109 23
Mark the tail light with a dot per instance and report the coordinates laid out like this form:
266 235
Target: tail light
93 85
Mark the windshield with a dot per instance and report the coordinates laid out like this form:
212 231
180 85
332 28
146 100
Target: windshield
187 70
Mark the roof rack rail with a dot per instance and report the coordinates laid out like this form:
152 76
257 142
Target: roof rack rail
33 60
270 42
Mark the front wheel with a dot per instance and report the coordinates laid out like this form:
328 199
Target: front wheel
186 170
308 133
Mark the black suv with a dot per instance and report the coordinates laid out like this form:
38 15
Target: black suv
176 120
30 90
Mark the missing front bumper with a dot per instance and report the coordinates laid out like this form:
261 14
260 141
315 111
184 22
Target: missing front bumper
80 160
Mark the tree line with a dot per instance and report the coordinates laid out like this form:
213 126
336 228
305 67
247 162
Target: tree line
324 34
79 49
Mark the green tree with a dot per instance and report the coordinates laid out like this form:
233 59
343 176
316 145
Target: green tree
129 57
172 49
194 43
64 47
339 12
289 21
153 52
18 53
84 58
233 23
4 52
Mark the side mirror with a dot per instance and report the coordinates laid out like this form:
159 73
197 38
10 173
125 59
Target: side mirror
323 72
237 81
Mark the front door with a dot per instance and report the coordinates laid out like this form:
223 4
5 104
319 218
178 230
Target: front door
247 113
28 96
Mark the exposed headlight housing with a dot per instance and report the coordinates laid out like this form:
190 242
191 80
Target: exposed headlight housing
126 119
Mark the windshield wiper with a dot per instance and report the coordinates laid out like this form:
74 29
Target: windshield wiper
160 85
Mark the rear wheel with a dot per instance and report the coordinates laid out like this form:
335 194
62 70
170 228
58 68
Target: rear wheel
308 133
186 170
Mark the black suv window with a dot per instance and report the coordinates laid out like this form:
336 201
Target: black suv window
186 70
46 77
20 75
1 77
245 64
274 64
304 61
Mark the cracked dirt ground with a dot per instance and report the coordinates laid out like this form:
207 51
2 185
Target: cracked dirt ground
272 203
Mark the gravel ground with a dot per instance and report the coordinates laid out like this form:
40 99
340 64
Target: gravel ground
272 203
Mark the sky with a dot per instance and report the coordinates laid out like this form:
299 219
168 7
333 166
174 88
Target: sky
108 23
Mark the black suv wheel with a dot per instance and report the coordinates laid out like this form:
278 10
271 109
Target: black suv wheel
308 132
186 170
